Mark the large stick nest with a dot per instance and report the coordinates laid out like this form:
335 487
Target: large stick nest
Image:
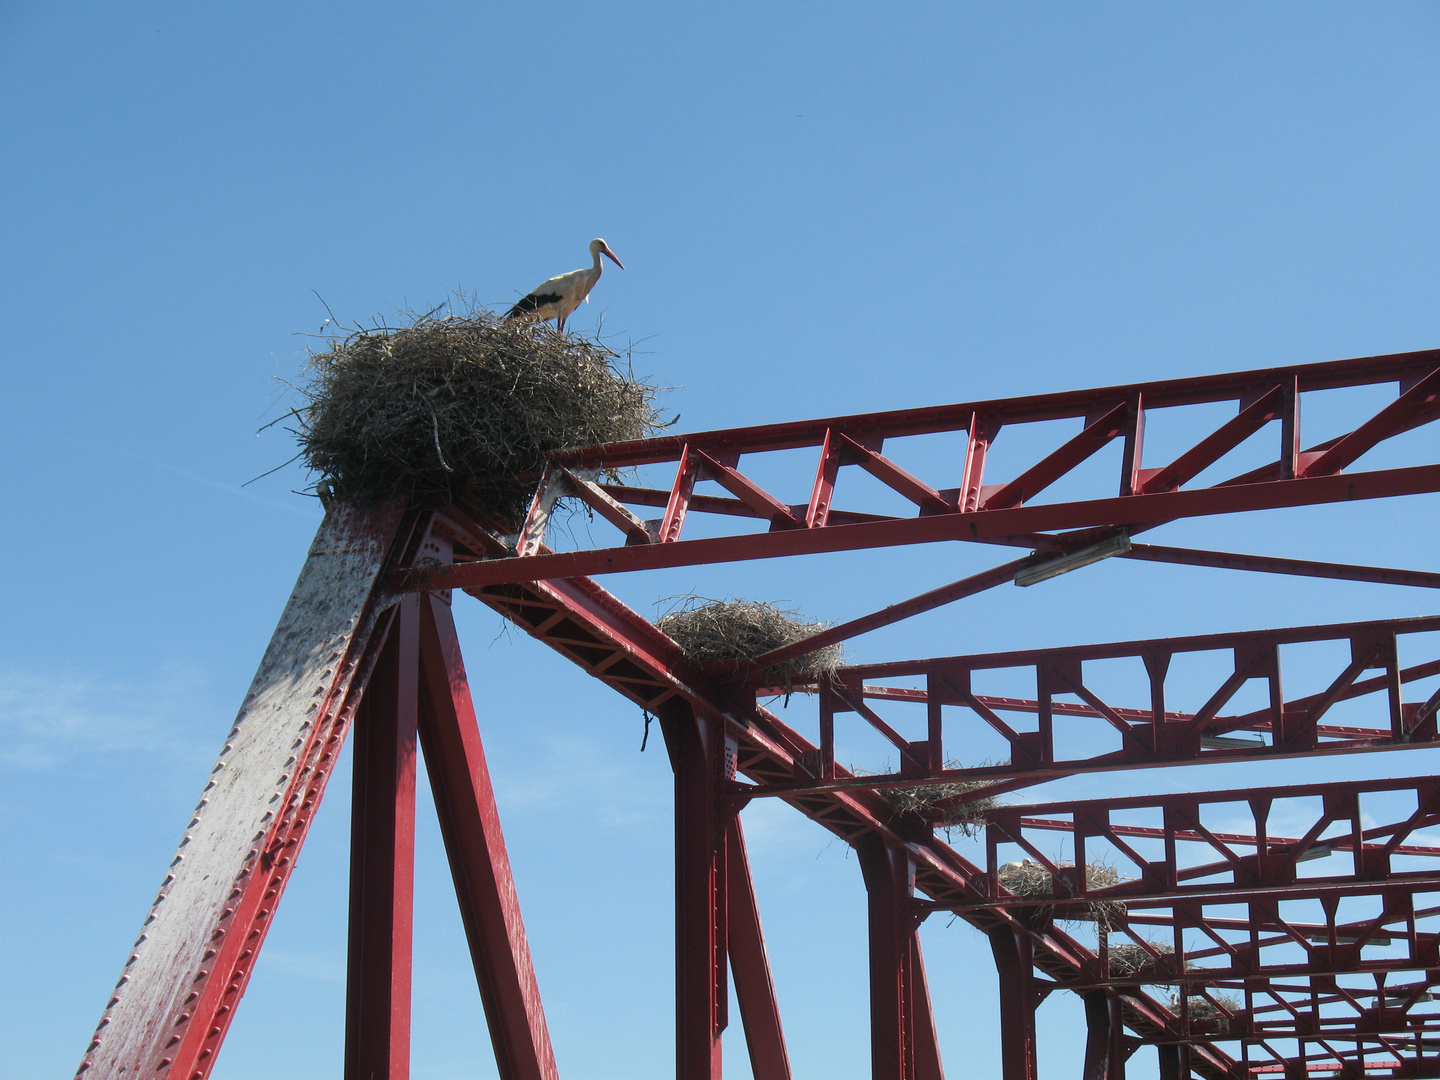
744 629
1209 1013
461 405
1027 878
1129 958
931 801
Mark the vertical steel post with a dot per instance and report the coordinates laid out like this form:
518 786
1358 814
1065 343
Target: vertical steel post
1012 951
1174 1061
382 859
695 744
922 1024
754 988
1104 1049
479 863
903 1045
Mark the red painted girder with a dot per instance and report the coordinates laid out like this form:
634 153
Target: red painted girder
1395 417
1114 762
1140 648
999 575
720 504
946 594
1074 708
595 629
1268 870
479 862
1339 789
636 531
197 948
382 858
1104 1049
1232 386
1266 564
893 476
1227 893
1396 892
1050 468
1244 974
1014 964
1335 843
750 966
1321 969
768 749
696 745
903 1043
599 500
1217 444
982 525
747 491
952 674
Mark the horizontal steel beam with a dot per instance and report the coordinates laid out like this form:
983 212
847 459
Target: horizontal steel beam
1329 375
1126 510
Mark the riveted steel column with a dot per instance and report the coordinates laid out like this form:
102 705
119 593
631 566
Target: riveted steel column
1174 1061
1104 1052
479 862
382 859
754 988
697 755
902 1032
1017 1003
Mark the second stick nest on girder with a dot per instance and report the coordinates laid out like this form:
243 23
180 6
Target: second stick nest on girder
1209 1013
1027 878
932 802
461 406
1130 959
745 629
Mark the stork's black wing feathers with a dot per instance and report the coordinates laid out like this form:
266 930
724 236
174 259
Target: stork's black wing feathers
533 302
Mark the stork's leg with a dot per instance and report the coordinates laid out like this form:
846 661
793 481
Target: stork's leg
560 323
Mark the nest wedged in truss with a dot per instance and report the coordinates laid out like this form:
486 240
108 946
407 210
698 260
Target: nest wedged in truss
745 629
461 406
931 801
1027 878
1129 958
1207 1013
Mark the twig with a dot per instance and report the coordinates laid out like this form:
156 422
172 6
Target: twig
276 469
435 424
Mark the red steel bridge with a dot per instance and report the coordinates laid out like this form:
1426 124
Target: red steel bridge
1248 953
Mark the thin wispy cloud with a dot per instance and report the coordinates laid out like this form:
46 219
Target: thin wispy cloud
48 720
238 490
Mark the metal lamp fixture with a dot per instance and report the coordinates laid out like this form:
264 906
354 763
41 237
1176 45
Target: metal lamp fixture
1230 742
1063 564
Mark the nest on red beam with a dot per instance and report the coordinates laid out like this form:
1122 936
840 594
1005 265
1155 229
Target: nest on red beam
928 801
461 406
742 630
1207 1011
1027 878
1131 959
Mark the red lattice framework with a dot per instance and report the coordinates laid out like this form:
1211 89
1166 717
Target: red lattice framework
1285 930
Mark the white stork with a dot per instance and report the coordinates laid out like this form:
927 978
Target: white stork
558 297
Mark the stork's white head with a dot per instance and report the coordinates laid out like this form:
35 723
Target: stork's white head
599 247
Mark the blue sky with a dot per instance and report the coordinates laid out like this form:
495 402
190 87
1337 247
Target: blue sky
822 208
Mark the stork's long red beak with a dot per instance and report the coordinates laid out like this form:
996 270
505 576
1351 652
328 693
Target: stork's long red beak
611 256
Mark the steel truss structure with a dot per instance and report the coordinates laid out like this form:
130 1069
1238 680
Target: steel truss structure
1247 952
